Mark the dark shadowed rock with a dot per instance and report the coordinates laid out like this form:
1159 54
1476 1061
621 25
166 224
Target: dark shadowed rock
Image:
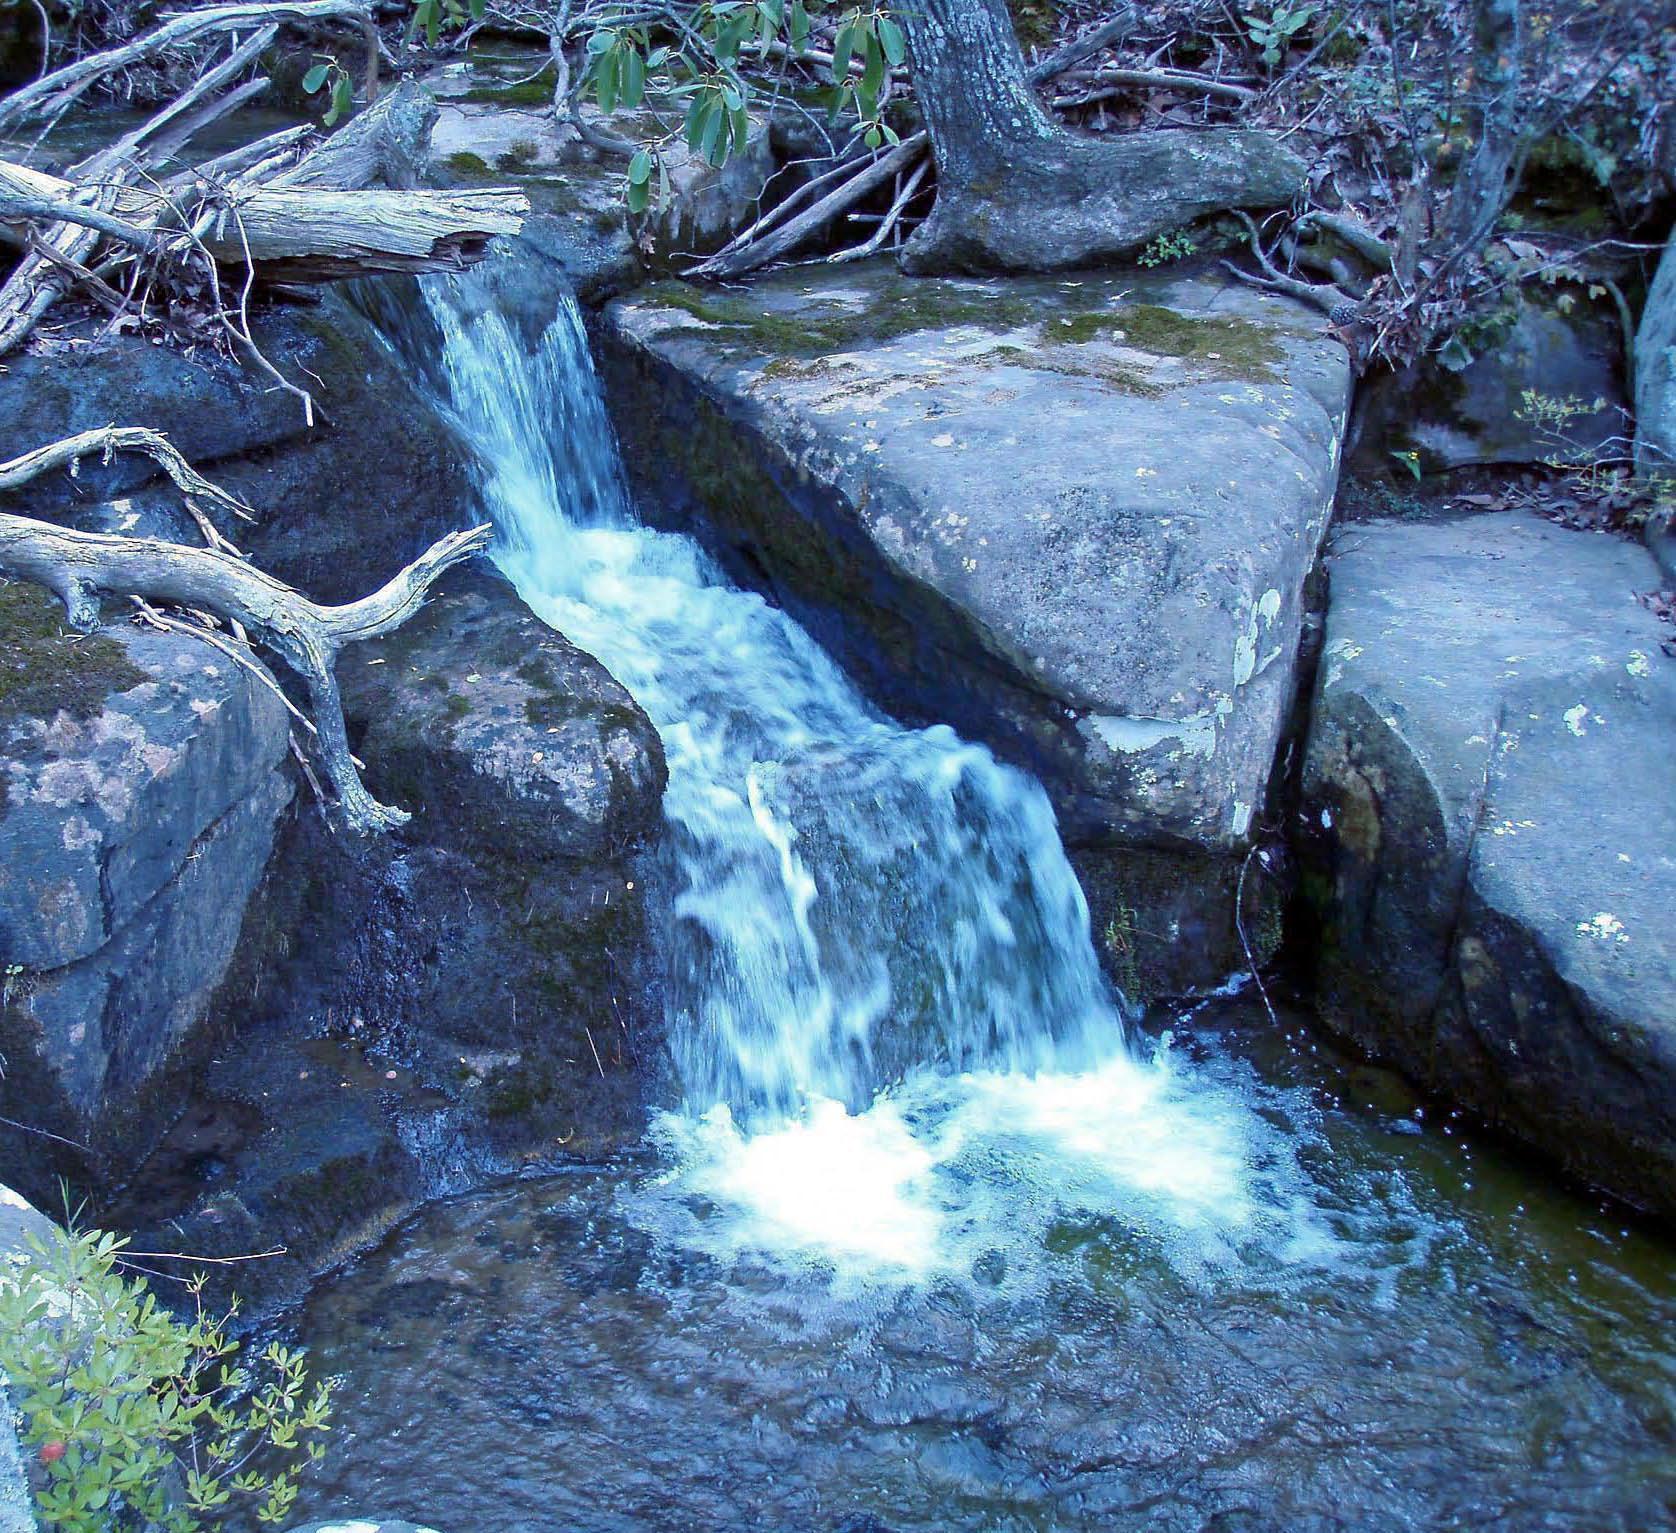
341 505
495 730
422 1013
1655 371
1071 518
1490 793
1479 413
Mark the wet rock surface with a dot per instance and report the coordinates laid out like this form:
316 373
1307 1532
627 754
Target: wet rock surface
423 1013
1072 518
1490 796
496 731
140 786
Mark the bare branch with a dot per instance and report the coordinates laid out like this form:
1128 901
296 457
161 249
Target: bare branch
52 94
78 566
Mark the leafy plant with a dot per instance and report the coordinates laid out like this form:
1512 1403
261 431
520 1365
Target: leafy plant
140 1420
703 66
330 76
433 17
1168 247
1273 34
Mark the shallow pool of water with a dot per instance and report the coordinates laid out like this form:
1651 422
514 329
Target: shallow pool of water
1378 1324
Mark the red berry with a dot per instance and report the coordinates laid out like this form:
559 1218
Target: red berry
51 1452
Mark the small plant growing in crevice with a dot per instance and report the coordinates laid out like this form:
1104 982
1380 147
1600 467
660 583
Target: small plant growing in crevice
1167 248
140 1420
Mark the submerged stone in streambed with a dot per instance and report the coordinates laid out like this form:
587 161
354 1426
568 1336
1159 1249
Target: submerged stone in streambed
140 784
1071 518
1490 792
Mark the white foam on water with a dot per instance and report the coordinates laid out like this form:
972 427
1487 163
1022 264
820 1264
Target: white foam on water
896 1051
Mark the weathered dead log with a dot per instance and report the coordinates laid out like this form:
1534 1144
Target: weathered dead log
308 233
302 233
383 146
79 567
755 250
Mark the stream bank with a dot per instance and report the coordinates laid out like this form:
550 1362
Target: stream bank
353 1031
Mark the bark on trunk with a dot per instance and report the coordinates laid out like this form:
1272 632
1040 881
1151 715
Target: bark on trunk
1483 191
1016 191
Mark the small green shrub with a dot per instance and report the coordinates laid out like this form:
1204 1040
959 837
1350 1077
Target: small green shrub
139 1420
1167 248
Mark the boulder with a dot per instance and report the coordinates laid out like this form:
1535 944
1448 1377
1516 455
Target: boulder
494 730
422 1013
341 505
1490 802
1072 518
1467 404
1655 371
1655 403
140 783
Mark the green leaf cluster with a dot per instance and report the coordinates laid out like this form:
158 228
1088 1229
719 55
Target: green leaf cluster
698 67
1274 33
434 17
330 76
142 1420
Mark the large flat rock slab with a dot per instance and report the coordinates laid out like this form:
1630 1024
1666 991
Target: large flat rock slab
1491 791
1072 518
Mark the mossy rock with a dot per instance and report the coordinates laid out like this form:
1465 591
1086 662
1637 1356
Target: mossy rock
46 668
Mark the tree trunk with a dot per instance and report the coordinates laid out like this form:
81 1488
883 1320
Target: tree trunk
1482 191
1016 191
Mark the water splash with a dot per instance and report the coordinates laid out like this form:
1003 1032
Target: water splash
892 1035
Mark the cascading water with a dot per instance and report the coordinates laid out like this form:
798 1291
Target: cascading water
929 1248
880 956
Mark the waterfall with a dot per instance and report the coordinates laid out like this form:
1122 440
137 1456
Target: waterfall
879 955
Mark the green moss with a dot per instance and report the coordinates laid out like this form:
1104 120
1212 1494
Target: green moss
1152 327
466 163
46 669
456 707
797 339
519 155
820 328
536 91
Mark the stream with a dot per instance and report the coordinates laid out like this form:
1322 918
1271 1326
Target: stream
935 1234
